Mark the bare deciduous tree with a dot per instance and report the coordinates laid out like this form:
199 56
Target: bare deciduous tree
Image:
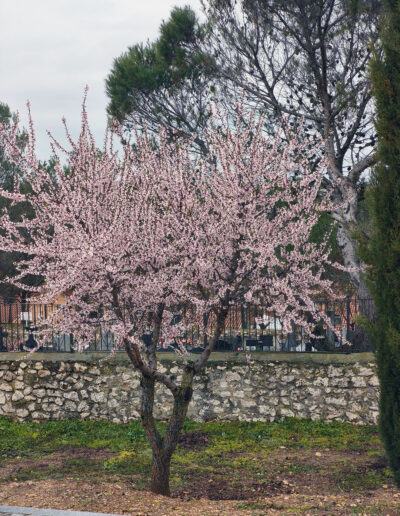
307 59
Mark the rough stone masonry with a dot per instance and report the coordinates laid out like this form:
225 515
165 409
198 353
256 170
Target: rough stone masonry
64 387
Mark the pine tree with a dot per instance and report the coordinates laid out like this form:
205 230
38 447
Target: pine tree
166 83
385 244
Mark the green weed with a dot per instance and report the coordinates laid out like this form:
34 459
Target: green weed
239 449
363 481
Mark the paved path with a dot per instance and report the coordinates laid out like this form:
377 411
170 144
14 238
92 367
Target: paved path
31 511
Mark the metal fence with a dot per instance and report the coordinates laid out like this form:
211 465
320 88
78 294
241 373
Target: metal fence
247 328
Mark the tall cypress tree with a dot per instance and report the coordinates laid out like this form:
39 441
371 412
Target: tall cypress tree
385 244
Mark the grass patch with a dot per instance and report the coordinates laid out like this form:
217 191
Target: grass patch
360 480
31 439
290 432
130 463
302 468
239 458
249 505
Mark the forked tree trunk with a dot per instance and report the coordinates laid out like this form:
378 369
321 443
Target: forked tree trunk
163 447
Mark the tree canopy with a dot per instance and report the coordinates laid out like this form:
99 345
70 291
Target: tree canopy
9 174
307 59
167 83
133 239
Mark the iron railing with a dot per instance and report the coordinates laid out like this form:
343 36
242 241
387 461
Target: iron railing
247 328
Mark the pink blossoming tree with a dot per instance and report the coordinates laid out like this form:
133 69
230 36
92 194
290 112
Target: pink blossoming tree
132 237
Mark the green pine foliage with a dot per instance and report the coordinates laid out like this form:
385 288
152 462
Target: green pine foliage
384 246
161 66
9 174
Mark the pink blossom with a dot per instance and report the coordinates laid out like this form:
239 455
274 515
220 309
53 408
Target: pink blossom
129 237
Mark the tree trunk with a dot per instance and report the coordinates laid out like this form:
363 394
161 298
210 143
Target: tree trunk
161 456
160 466
163 447
348 247
366 305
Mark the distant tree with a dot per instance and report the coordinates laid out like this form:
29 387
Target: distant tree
384 245
307 59
134 238
167 83
8 170
9 174
170 83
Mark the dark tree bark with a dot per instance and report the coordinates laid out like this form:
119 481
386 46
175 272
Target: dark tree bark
160 469
163 446
159 466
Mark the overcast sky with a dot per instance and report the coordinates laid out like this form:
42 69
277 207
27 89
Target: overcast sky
50 49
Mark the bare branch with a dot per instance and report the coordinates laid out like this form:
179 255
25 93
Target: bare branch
358 168
136 359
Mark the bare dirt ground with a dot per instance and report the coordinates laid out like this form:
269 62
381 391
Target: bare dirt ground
284 482
120 498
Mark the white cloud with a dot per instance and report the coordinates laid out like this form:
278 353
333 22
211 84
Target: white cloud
50 49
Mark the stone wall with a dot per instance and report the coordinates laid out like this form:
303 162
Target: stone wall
51 387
